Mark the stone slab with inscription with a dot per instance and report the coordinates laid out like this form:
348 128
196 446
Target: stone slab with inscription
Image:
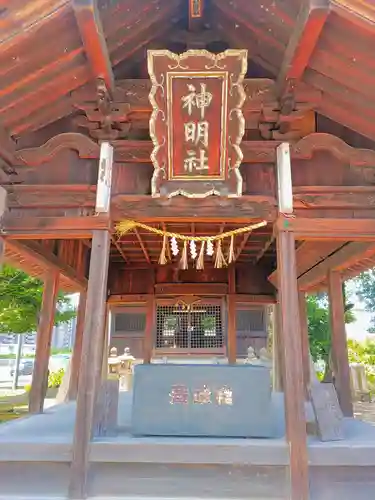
203 400
327 411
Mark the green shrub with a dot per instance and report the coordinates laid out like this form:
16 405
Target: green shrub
55 378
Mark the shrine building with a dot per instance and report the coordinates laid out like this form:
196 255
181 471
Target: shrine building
193 169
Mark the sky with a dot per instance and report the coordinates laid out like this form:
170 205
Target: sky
358 329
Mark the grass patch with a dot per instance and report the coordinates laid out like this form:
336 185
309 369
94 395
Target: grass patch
12 407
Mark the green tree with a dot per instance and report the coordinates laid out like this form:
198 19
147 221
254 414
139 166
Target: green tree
319 327
21 300
365 284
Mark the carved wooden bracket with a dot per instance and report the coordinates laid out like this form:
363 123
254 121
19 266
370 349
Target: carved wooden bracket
103 118
85 147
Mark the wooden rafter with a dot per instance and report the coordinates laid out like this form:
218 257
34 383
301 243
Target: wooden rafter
302 42
91 30
242 245
265 248
142 245
119 249
37 255
345 257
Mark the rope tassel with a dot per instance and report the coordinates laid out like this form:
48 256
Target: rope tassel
219 258
163 256
184 257
231 257
200 260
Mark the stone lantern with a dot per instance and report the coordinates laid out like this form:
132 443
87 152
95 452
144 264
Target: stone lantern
114 363
126 370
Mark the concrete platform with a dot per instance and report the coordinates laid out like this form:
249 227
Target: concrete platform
35 455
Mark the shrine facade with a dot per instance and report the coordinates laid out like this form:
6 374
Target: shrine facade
192 169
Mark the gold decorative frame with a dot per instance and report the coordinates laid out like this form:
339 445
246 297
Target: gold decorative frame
231 66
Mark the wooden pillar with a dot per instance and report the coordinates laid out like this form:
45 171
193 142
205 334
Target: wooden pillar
339 342
148 342
106 339
290 337
43 343
304 340
92 346
276 351
231 311
77 349
232 330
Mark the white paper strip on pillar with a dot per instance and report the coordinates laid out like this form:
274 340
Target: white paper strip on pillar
284 179
103 192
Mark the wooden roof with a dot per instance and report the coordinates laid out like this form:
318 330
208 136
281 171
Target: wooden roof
52 51
43 58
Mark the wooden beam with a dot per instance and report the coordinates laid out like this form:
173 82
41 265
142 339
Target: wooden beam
47 260
326 228
339 342
91 362
52 227
142 245
119 249
290 338
242 245
77 349
302 42
214 209
43 343
277 358
265 248
232 311
346 256
91 30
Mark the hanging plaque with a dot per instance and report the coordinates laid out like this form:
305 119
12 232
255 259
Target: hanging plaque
197 124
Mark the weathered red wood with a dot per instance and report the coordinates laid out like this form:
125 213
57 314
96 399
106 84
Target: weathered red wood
290 338
91 362
335 197
339 342
309 24
34 252
85 147
149 335
197 134
131 151
327 228
232 331
356 12
77 349
63 227
91 30
343 258
43 343
147 209
278 361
